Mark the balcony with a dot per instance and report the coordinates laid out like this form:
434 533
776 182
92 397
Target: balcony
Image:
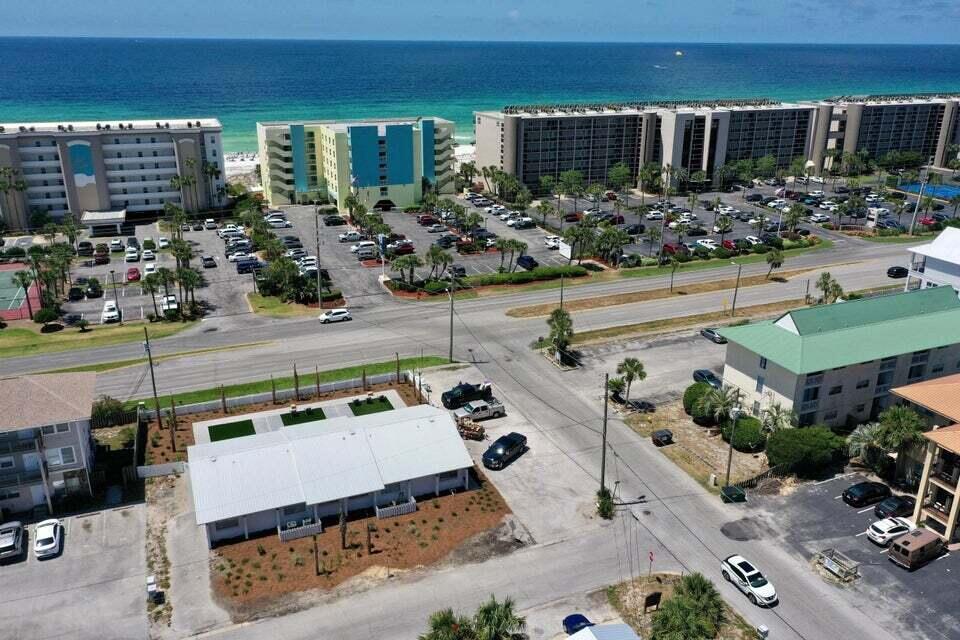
19 446
809 405
20 478
937 511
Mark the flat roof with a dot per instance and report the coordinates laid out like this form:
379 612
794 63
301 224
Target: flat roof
338 124
38 400
322 461
90 126
103 217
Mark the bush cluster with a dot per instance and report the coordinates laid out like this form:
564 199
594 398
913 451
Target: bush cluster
806 451
692 396
521 277
748 437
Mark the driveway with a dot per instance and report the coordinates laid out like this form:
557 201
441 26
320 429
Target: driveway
95 589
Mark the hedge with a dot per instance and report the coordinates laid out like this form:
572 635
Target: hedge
521 277
692 395
748 437
806 451
327 296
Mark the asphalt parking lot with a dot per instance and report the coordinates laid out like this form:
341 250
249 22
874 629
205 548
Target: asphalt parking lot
223 290
814 518
94 589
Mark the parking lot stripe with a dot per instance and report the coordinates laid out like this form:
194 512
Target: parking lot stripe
860 534
865 510
946 555
837 497
846 475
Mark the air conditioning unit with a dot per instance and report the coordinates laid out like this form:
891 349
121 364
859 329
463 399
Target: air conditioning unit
99 126
69 127
120 125
189 125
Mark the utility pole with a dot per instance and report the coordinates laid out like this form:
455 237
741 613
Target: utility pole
316 225
736 288
116 300
916 207
153 380
453 285
561 291
603 450
734 415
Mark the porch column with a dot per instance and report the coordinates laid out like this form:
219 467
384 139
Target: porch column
316 513
276 512
436 483
952 519
409 489
466 478
376 498
42 463
924 482
246 532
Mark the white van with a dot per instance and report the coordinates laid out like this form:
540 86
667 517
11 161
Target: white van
366 253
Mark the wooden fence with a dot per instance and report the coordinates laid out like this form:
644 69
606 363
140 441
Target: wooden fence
773 472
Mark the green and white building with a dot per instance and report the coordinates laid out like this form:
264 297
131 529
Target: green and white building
386 163
835 364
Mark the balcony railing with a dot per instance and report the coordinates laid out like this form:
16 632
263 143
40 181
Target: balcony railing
939 512
20 478
946 475
19 446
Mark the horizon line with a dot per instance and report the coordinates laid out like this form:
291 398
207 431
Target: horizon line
470 41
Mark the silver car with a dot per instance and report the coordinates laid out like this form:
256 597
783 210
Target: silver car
11 540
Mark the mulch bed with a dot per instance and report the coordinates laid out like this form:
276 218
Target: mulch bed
253 574
158 440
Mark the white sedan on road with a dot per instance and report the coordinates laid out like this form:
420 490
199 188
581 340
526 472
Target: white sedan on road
748 579
883 532
48 538
335 315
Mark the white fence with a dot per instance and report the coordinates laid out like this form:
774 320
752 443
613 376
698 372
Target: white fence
294 533
401 509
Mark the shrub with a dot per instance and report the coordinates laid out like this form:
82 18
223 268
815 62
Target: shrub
702 252
683 257
411 209
105 409
520 277
721 253
435 287
805 451
680 617
605 506
149 244
692 395
760 248
45 315
748 437
327 296
15 252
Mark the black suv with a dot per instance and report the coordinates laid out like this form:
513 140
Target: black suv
505 449
334 221
84 248
895 506
707 376
864 493
464 393
527 262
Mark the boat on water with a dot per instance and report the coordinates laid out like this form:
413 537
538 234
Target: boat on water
678 52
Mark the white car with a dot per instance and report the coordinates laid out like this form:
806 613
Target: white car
707 243
817 179
826 205
132 255
278 224
779 202
753 240
819 217
335 315
816 194
725 208
879 211
150 267
654 215
748 579
229 230
209 223
349 236
241 255
885 531
363 243
116 244
47 538
110 312
149 255
163 242
756 221
551 242
169 303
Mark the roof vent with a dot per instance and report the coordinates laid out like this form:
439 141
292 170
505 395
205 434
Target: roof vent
198 124
189 125
32 128
69 127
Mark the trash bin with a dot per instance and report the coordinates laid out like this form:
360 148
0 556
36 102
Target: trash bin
733 494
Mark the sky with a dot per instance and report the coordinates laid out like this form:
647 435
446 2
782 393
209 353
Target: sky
780 21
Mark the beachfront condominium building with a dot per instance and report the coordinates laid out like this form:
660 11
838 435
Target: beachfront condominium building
537 140
385 163
46 449
835 364
77 167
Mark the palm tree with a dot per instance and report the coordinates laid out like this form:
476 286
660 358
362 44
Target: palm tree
653 235
616 385
793 216
631 369
520 247
165 276
151 285
498 620
212 173
775 260
692 201
438 260
901 429
446 625
864 442
190 280
561 330
468 170
571 183
776 417
674 265
719 403
700 591
723 225
679 619
830 289
502 245
647 174
544 208
409 262
24 279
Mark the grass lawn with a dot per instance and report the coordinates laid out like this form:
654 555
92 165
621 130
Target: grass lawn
377 405
302 416
230 430
306 380
898 239
275 307
24 338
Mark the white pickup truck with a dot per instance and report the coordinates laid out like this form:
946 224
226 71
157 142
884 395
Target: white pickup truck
480 410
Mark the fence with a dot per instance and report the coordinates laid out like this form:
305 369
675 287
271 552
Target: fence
114 418
401 509
295 533
773 472
156 470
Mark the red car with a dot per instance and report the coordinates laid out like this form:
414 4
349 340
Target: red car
927 221
729 245
133 274
426 220
401 248
670 249
616 220
572 217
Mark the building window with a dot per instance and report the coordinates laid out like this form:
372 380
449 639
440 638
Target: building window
755 410
937 368
450 475
863 384
229 523
295 509
763 362
48 429
63 427
860 408
830 415
9 494
916 371
836 390
383 191
6 463
63 455
888 364
760 381
810 394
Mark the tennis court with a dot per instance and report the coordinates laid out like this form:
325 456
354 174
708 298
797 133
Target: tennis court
12 295
942 191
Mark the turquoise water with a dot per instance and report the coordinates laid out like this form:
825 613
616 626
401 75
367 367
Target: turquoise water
245 81
944 191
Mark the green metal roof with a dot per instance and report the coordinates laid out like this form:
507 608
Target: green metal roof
842 334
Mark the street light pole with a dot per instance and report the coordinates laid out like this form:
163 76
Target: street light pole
453 284
561 291
116 299
153 381
916 207
603 449
736 288
316 224
734 415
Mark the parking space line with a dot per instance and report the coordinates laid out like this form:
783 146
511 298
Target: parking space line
837 497
865 510
846 475
860 534
946 555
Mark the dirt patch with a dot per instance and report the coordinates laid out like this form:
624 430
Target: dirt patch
699 451
628 599
256 577
161 508
159 450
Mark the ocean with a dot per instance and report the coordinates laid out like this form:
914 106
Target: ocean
242 82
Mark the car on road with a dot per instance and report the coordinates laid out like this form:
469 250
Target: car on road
505 449
11 540
208 262
707 376
895 506
897 272
527 262
110 312
885 531
575 622
551 242
865 493
746 577
711 334
149 255
335 315
48 538
349 236
133 274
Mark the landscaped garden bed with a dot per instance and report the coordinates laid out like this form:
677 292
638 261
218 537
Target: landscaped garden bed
248 575
302 416
229 430
370 405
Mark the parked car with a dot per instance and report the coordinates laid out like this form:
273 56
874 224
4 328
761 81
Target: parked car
150 267
335 315
133 274
916 548
48 539
885 531
294 254
249 265
209 223
110 312
208 262
504 450
661 437
707 243
457 271
746 577
242 256
349 236
446 242
84 248
163 242
527 262
753 240
11 540
169 303
131 255
897 272
730 245
436 228
641 406
363 243
465 392
149 255
94 290
197 226
864 493
707 376
551 242
711 334
895 506
575 622
480 410
334 220
572 217
75 294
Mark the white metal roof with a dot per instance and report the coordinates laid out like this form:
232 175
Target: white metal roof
103 217
945 246
606 632
322 461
